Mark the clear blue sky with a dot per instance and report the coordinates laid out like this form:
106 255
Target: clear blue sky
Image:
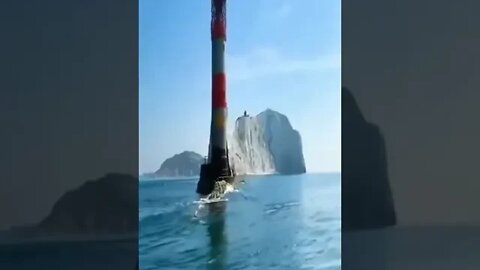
280 54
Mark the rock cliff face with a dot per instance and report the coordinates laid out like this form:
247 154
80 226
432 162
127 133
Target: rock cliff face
105 205
184 164
367 200
266 144
248 150
263 144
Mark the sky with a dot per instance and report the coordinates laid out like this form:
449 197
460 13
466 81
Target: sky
280 54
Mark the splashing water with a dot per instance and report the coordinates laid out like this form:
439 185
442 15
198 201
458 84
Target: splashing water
221 189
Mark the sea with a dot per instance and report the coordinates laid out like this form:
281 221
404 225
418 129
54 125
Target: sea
269 222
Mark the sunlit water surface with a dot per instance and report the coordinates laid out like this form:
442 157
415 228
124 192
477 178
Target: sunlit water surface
272 222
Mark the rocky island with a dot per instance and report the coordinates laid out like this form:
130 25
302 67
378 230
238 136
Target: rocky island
185 164
105 205
262 144
266 144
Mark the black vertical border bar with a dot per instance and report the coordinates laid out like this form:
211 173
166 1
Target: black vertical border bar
410 78
69 128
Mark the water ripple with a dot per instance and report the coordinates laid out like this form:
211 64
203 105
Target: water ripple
255 229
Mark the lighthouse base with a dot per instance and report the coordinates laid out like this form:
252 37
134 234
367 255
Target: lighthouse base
218 170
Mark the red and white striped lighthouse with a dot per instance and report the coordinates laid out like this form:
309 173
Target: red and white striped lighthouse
217 166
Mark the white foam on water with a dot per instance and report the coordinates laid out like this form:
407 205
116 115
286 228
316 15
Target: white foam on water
229 188
203 201
221 189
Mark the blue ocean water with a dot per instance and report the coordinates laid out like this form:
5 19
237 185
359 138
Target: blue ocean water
273 222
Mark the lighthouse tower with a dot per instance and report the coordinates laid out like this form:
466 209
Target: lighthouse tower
217 166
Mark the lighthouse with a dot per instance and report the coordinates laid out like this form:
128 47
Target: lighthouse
217 165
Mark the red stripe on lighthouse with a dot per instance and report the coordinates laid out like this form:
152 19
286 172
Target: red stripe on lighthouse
219 29
219 87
